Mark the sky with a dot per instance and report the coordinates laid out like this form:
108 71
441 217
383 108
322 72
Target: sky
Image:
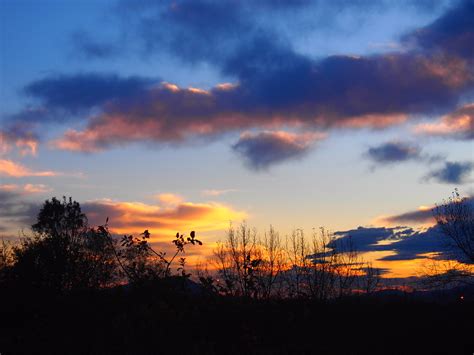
188 115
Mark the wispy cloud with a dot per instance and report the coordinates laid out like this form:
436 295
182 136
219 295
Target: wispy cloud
26 189
216 192
13 169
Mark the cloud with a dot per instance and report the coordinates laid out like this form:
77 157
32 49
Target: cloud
15 211
274 87
12 169
452 33
182 27
216 192
264 149
163 221
458 124
169 199
25 142
393 152
424 215
418 244
406 243
26 189
336 92
36 188
452 173
368 239
90 48
84 91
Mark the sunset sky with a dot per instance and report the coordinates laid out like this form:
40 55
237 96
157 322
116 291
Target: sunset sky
185 115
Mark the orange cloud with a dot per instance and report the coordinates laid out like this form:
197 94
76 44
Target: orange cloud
459 123
163 221
27 146
12 169
169 199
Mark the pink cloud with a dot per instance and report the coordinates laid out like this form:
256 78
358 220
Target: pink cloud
458 124
12 169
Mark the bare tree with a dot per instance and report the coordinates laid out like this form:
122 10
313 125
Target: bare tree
238 260
271 254
436 274
335 266
370 281
347 266
320 275
455 218
297 251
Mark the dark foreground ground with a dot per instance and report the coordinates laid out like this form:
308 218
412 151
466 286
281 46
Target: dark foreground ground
153 320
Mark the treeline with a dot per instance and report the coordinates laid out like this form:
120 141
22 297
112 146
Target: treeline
64 254
70 288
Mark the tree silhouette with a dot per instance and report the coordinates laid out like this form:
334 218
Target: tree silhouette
455 217
64 253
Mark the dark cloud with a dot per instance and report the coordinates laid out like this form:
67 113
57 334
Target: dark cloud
418 216
337 92
407 244
14 210
366 239
275 87
75 93
424 215
181 27
393 152
413 246
452 173
264 149
452 33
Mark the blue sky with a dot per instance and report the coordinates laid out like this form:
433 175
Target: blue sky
334 114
